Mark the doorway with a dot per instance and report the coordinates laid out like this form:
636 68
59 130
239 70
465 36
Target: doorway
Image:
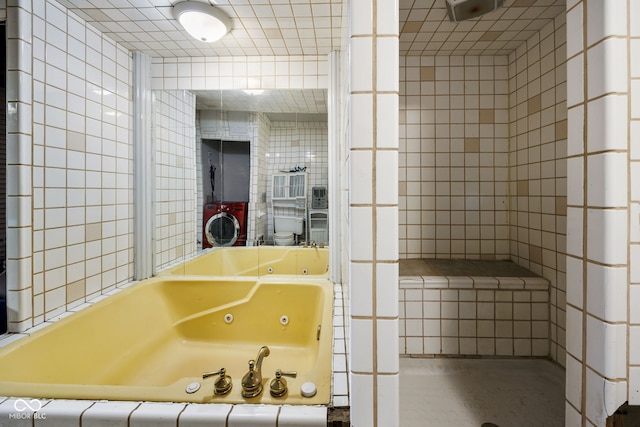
226 168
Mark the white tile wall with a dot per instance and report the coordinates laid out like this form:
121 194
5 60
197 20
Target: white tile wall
175 171
453 157
601 240
238 72
76 184
474 316
538 165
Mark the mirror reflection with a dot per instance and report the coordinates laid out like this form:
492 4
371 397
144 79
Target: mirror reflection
262 177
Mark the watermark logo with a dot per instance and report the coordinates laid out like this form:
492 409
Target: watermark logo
22 405
27 409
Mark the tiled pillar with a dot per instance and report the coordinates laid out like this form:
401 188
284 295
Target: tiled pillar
634 203
19 167
600 108
373 212
143 166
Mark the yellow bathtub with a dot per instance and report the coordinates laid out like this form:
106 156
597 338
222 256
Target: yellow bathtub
256 261
150 341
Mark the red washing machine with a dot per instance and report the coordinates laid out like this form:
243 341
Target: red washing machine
225 224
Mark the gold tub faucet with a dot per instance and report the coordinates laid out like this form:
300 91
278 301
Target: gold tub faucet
252 380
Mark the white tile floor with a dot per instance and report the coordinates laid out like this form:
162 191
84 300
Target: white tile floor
470 392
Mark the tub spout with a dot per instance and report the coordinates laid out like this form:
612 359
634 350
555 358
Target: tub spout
252 380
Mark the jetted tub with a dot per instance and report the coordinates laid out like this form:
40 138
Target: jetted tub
256 261
151 340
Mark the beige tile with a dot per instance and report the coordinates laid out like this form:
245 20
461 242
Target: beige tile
402 117
523 188
561 205
412 26
75 291
272 33
523 3
535 254
533 104
93 231
486 116
472 145
561 129
490 36
75 141
427 73
402 188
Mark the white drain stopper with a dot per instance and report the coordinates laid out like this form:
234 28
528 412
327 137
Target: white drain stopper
228 318
308 389
193 387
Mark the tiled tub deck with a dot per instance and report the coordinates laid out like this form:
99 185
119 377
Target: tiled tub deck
472 308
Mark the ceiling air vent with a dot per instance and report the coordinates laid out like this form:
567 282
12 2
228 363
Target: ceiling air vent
460 10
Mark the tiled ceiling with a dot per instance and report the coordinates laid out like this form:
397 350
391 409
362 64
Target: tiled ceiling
425 28
312 27
281 105
259 27
308 27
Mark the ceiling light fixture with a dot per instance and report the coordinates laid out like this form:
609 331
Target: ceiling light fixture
202 21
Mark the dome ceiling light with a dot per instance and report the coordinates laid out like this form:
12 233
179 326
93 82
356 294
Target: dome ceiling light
202 21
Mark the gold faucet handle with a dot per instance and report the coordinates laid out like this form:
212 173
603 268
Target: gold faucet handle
278 386
221 372
280 373
223 384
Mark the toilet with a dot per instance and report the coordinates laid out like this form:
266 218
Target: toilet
286 228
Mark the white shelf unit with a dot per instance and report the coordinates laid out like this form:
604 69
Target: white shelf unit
319 226
289 195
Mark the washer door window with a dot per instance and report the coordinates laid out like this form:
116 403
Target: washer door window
222 229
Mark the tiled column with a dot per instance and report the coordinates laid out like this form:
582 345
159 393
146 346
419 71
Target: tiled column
19 165
373 212
599 117
143 166
634 203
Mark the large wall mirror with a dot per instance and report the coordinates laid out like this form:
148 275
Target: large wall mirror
260 170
